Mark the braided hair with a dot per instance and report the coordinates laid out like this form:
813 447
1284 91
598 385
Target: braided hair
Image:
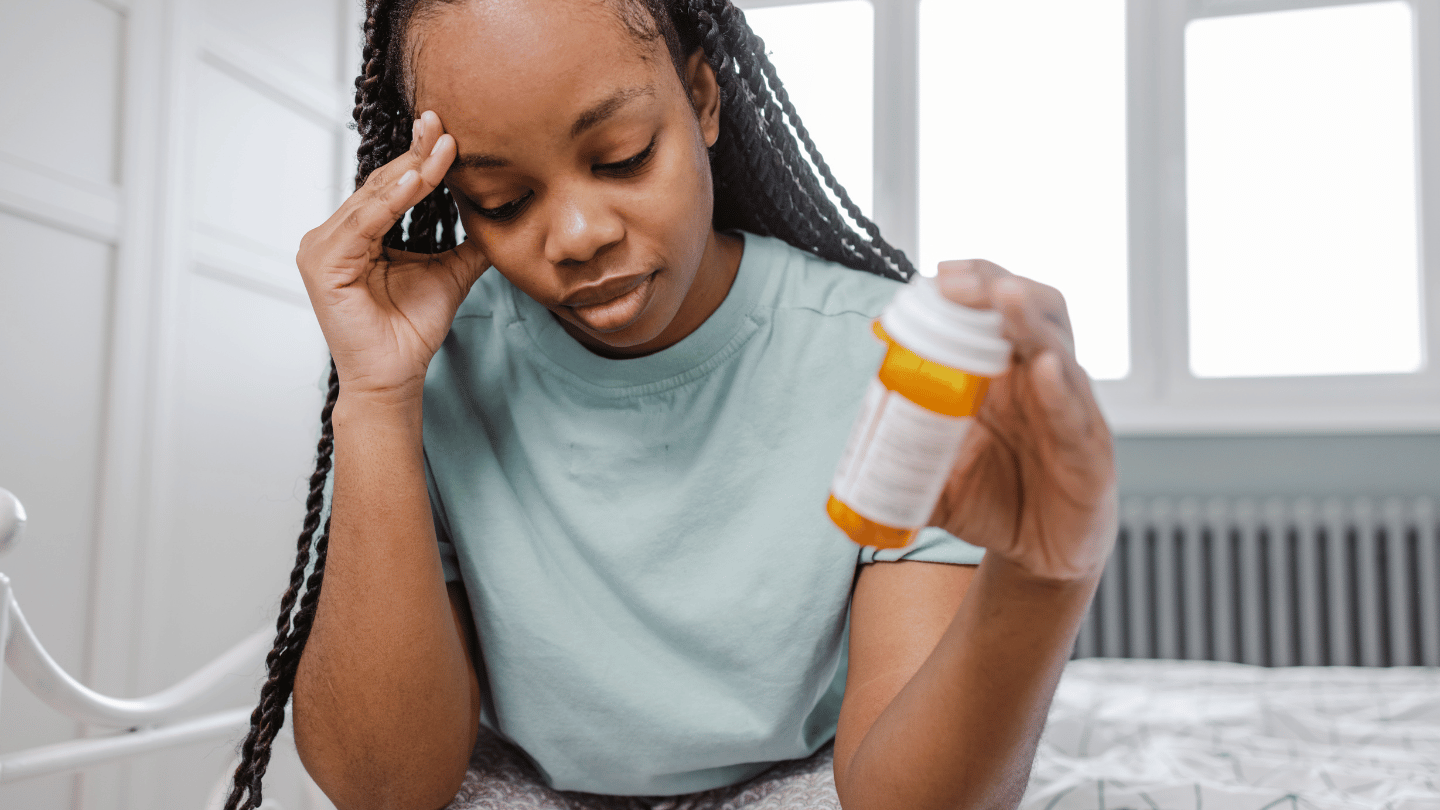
769 179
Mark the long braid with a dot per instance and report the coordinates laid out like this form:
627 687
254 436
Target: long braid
284 657
892 254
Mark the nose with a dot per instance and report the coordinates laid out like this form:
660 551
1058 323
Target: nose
582 224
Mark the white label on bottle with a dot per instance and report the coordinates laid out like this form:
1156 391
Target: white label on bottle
897 459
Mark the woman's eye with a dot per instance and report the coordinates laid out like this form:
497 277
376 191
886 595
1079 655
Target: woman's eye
625 168
629 166
508 211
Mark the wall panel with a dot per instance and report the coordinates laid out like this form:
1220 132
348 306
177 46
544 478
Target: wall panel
62 101
262 174
304 33
249 399
261 169
246 408
55 302
1405 465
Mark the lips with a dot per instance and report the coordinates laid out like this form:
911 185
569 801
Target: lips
612 304
607 290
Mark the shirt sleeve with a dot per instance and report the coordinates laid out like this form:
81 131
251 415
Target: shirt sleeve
449 559
932 544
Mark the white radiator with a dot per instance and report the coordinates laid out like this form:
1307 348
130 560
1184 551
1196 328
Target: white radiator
1279 582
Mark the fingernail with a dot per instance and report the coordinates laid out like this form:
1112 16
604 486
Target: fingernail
436 146
407 178
415 131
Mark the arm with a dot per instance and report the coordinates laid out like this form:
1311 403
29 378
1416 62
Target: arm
387 702
951 672
952 669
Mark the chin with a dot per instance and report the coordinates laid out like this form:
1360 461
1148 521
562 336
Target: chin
624 341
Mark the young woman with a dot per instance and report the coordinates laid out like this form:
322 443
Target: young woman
581 458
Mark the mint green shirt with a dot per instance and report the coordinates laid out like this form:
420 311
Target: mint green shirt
660 599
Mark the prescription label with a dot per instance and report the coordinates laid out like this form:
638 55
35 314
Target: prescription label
897 459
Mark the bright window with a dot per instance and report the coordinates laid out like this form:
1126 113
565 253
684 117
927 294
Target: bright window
1022 152
1228 192
1300 141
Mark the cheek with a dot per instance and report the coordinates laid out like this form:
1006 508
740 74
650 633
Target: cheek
507 252
701 187
681 200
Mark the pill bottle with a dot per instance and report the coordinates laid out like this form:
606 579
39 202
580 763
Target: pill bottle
939 361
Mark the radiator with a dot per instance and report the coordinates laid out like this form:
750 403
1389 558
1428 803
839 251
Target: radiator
1277 582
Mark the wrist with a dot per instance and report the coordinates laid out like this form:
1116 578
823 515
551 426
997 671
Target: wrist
378 409
1029 611
1017 575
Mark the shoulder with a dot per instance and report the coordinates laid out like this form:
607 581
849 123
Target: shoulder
806 283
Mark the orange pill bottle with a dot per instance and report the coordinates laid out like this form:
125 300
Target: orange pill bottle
939 361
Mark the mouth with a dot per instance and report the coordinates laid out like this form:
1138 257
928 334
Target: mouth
613 304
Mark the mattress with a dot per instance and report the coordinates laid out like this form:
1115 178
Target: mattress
1201 735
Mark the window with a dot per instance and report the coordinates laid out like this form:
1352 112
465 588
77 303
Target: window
1303 255
1231 193
1022 149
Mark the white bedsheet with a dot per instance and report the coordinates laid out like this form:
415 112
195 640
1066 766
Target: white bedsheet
1193 735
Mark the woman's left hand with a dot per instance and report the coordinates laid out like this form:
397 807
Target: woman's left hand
1035 481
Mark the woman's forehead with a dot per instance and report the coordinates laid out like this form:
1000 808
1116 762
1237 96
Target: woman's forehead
529 61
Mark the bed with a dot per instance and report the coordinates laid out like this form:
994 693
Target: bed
1186 735
1123 734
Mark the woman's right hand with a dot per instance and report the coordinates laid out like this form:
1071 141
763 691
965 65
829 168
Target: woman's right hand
385 312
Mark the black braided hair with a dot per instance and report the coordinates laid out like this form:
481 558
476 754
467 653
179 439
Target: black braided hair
763 184
290 634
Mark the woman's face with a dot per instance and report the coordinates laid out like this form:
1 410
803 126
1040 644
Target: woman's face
582 168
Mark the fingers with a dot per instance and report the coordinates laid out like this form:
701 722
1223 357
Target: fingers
968 282
363 220
430 155
1036 317
1036 323
1065 406
396 187
1081 456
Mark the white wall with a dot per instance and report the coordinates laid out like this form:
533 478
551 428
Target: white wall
159 366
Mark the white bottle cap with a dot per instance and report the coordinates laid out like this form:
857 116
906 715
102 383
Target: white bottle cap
923 320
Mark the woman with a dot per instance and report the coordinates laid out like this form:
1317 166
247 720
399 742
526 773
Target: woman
581 457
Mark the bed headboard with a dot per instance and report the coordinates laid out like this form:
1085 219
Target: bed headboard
166 719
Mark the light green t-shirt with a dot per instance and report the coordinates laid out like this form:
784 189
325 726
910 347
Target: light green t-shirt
660 598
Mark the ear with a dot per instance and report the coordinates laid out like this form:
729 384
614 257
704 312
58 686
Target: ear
704 95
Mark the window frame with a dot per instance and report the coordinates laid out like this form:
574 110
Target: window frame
1160 395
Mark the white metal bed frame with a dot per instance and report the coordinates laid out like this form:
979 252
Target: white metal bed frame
166 719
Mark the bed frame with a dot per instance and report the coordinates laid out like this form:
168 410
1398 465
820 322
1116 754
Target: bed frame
166 719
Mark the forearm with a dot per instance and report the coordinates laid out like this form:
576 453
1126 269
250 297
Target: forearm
385 708
962 732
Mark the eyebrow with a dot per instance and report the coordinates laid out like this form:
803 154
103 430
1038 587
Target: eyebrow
585 121
607 108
